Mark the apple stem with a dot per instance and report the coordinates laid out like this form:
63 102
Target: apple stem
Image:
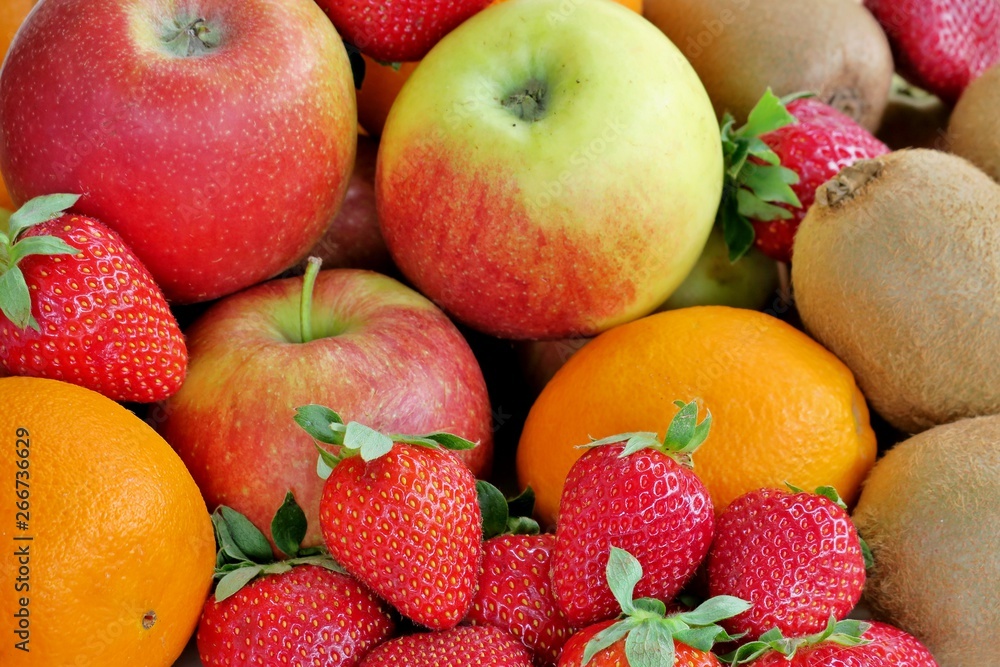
305 305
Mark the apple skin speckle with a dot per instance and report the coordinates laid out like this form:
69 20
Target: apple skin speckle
220 169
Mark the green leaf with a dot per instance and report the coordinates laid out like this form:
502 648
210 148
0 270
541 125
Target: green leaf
685 434
234 581
702 639
736 228
288 527
831 494
493 507
714 610
758 148
649 645
523 525
522 505
638 442
39 210
746 653
650 606
39 245
324 561
606 638
371 443
771 183
753 207
15 299
768 115
229 552
623 573
325 463
866 553
616 439
450 441
318 421
246 536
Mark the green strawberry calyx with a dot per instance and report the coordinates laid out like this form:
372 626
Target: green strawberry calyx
752 190
684 435
15 298
648 631
326 427
503 516
245 554
833 496
849 632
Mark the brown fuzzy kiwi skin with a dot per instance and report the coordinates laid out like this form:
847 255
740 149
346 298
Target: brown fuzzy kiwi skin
974 129
896 270
833 48
930 512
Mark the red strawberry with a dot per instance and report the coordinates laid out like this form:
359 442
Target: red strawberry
401 30
299 612
845 644
804 145
464 646
817 147
306 616
636 496
402 517
645 636
515 594
795 556
941 45
79 307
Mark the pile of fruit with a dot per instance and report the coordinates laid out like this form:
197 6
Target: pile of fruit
440 333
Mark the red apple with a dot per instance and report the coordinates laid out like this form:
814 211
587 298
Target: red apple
217 137
353 240
551 169
380 354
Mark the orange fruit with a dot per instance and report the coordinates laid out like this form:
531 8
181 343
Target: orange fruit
121 550
383 82
12 13
783 407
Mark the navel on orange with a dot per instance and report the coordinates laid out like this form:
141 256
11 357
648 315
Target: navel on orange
112 546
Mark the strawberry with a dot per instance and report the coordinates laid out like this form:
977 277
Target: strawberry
78 306
514 591
776 162
796 556
644 635
464 646
401 514
401 30
848 643
633 492
303 611
941 45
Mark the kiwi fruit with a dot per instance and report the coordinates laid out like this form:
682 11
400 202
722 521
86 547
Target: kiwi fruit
930 512
974 129
896 271
914 118
833 48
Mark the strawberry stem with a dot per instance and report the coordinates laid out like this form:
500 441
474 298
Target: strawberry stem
306 302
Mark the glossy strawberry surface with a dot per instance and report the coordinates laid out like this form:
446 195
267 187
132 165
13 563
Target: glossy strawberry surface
464 646
795 556
941 45
817 147
306 617
645 503
888 647
407 524
103 322
515 594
